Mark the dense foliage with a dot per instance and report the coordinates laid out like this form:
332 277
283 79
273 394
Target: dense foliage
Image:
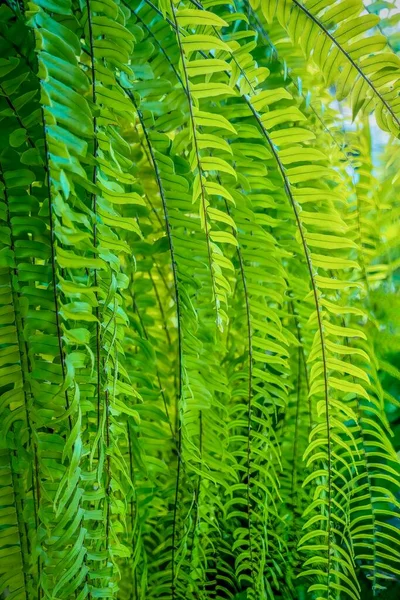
199 260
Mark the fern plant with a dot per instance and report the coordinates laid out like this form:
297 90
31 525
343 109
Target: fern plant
199 300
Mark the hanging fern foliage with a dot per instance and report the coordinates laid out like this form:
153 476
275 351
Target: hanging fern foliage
199 309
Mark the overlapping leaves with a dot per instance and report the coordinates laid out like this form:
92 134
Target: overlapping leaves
191 398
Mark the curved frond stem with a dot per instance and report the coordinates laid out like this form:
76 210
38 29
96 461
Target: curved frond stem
24 543
217 33
197 152
186 225
369 478
204 220
263 34
134 507
316 301
348 58
179 322
94 205
249 389
158 218
248 100
25 369
53 260
106 409
159 45
314 287
153 162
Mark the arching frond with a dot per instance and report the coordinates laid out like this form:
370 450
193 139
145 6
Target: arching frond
199 300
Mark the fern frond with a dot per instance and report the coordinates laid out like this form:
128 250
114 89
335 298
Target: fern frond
198 321
331 34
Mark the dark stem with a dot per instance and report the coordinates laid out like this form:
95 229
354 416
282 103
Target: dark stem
94 205
293 204
53 261
179 326
348 57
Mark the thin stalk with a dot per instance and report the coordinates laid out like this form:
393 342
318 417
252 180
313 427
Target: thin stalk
348 57
179 325
316 301
150 32
196 150
94 206
24 370
53 260
368 476
320 326
106 418
169 233
249 390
